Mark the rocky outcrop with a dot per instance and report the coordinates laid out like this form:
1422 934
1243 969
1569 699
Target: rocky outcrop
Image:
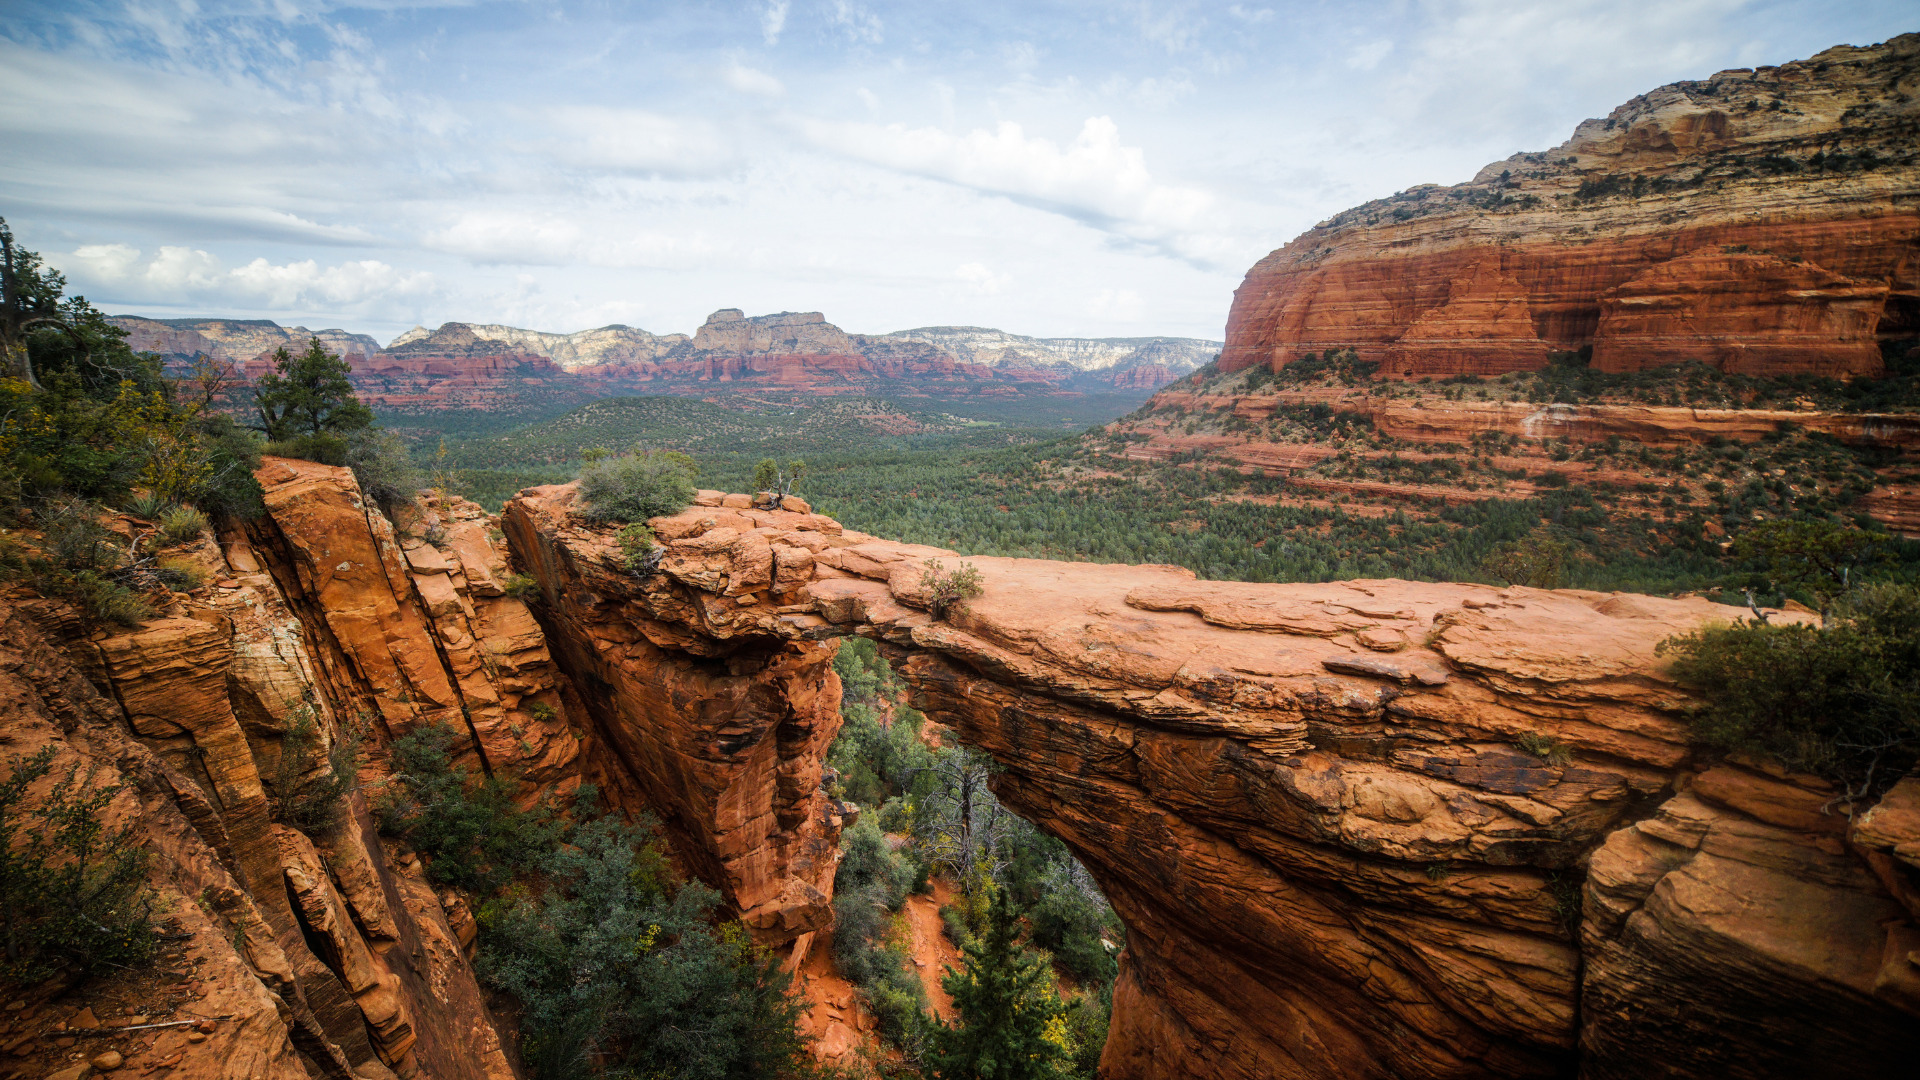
413 627
1760 221
1370 828
697 714
319 954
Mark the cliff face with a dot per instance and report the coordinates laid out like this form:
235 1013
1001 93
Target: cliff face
331 954
719 729
327 954
1309 803
1761 221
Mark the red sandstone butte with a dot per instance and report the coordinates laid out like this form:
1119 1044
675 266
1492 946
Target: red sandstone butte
1760 221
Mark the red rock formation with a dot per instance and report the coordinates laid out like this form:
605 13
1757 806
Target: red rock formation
1308 802
1759 220
699 715
1741 312
326 954
1484 328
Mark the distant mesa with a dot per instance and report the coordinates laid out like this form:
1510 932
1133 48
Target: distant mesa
1762 222
488 366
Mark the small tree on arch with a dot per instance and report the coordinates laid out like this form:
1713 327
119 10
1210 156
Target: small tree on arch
777 480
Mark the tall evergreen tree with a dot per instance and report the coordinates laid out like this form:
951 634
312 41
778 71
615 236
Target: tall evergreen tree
1012 1024
309 395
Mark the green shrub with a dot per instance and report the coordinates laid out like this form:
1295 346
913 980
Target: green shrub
182 525
953 922
470 830
73 538
1841 700
77 562
229 489
1539 560
305 797
325 448
1545 747
944 587
72 891
521 587
147 506
637 547
622 972
872 882
180 575
383 468
542 712
379 459
637 486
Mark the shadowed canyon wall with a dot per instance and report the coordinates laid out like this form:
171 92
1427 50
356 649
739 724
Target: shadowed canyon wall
1760 221
1308 802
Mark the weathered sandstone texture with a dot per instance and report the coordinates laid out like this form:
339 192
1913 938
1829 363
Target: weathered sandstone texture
329 954
1760 221
697 713
1309 802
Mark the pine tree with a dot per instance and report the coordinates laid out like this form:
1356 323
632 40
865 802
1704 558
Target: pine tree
309 395
1012 1024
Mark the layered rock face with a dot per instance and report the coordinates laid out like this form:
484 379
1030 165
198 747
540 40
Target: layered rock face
1760 221
698 715
326 954
1309 802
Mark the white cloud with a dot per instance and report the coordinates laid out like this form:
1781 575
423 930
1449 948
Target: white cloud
514 238
1117 305
859 23
749 81
176 273
104 262
1368 56
637 141
773 20
981 280
1094 179
1250 15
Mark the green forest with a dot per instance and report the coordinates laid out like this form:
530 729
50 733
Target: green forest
995 487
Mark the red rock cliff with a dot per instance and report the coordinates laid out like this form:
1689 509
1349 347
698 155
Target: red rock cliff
1759 221
1308 802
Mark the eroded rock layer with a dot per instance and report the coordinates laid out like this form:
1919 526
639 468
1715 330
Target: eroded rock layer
1760 221
1364 829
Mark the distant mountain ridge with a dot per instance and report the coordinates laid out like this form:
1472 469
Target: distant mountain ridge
233 340
493 367
983 345
618 343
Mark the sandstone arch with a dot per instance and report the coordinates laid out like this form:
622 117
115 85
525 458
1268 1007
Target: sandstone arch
1304 800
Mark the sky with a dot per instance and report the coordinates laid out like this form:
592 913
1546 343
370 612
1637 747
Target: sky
1050 168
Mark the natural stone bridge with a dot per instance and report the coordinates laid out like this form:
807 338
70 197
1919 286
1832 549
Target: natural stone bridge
1307 802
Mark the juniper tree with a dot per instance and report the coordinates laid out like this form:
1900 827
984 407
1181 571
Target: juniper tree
1011 1024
